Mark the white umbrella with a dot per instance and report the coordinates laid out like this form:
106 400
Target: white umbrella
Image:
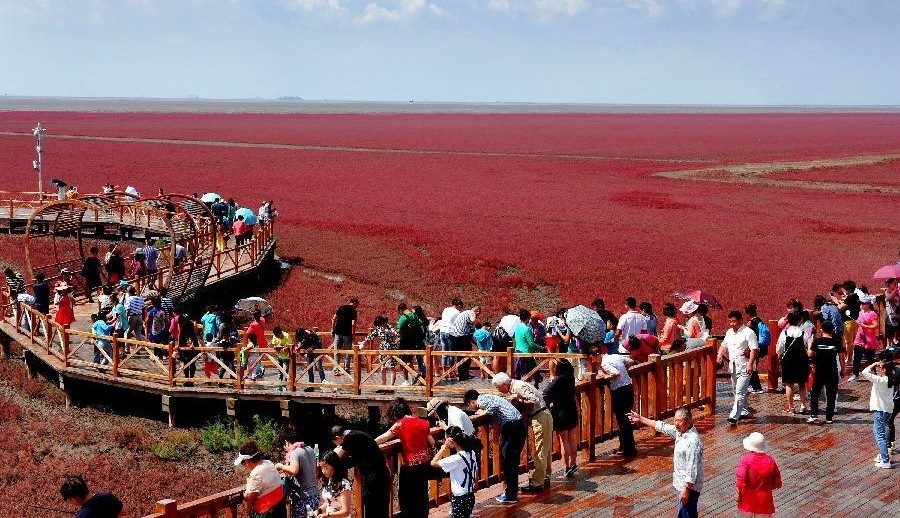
210 197
251 304
509 323
584 323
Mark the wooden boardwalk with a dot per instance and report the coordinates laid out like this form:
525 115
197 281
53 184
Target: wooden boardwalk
828 470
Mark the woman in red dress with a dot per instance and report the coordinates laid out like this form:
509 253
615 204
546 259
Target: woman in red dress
65 312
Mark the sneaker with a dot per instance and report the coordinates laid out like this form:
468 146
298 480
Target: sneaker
796 397
851 378
756 391
732 422
828 421
503 499
884 465
803 409
812 419
570 472
788 410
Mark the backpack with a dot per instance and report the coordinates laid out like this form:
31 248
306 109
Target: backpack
159 323
502 340
411 330
312 341
763 336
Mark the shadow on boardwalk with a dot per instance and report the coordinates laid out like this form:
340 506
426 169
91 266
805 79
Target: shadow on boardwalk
828 470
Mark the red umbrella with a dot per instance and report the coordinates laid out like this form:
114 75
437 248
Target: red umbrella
891 271
698 296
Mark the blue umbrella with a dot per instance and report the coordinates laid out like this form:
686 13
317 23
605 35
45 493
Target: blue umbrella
249 216
210 197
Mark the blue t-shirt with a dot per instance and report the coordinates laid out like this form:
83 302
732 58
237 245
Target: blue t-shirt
210 323
103 329
483 339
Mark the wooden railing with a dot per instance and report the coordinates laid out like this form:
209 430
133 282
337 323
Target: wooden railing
661 386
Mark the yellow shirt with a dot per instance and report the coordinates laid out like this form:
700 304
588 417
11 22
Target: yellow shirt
282 346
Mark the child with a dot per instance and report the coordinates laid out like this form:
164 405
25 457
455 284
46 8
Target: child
462 467
485 343
281 342
881 404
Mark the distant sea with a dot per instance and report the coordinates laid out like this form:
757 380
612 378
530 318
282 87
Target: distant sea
293 105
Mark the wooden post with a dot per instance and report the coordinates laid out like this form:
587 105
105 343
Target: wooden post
239 382
168 508
509 360
171 364
64 338
774 366
591 388
357 369
429 371
292 370
656 388
710 378
115 358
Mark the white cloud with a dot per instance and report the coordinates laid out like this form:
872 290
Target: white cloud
317 5
726 8
651 7
498 5
771 8
404 9
551 8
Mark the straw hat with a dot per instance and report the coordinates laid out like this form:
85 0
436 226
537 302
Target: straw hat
755 442
434 403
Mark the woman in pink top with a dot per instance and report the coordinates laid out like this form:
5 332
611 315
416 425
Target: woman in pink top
669 331
866 340
756 477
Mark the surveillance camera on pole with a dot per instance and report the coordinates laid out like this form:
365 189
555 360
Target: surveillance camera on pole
38 165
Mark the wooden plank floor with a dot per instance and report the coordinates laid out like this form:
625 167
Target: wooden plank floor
828 470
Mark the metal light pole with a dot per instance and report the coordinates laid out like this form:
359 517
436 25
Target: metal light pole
38 164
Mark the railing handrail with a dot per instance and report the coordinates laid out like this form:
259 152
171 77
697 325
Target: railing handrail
593 400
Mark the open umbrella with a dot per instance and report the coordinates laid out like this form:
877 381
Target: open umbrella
584 323
251 304
698 296
891 271
249 216
509 323
210 197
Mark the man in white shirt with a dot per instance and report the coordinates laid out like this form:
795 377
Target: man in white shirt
614 369
447 317
741 348
448 415
687 469
631 323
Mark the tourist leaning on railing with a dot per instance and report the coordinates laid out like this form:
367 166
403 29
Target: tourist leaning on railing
359 450
264 492
416 444
512 437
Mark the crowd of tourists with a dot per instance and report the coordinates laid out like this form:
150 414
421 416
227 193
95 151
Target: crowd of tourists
814 345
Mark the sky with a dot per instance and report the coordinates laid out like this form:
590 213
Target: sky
745 52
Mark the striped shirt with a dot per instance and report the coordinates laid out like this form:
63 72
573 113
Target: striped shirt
462 324
499 408
16 285
167 305
136 305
